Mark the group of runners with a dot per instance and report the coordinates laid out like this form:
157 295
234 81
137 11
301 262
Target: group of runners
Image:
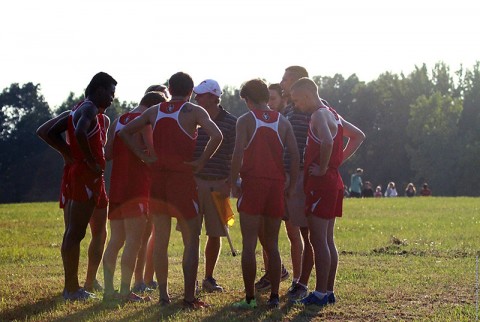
168 155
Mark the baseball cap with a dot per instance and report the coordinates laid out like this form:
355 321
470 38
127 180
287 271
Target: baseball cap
208 86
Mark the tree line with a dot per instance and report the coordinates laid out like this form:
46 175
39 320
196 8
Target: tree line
420 127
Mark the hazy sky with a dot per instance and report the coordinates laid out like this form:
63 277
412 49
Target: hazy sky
62 44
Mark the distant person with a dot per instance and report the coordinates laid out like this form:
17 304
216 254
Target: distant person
262 135
356 184
425 191
174 191
129 201
367 191
324 154
410 191
214 176
378 192
346 192
86 180
391 190
159 88
277 100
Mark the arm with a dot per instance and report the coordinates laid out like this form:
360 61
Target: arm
216 137
355 138
88 114
320 126
127 134
110 140
52 134
291 145
241 141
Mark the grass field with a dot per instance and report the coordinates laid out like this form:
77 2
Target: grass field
400 259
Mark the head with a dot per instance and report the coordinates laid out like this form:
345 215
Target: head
277 101
379 188
304 94
101 90
359 171
291 75
368 184
181 85
255 93
158 88
391 185
207 93
425 186
152 98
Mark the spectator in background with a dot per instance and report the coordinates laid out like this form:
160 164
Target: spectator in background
378 192
356 184
410 191
367 191
425 192
391 190
346 193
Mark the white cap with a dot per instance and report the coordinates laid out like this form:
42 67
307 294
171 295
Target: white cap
208 86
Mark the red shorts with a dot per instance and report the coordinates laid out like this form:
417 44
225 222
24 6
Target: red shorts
64 186
325 203
262 197
174 194
129 209
86 185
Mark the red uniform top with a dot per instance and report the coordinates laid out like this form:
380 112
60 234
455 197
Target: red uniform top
130 177
173 145
94 139
312 155
263 156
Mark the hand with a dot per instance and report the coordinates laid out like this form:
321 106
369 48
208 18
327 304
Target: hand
315 170
224 189
148 159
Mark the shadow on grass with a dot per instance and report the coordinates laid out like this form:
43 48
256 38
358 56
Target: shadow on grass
22 312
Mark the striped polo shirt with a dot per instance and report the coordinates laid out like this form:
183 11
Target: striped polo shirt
218 167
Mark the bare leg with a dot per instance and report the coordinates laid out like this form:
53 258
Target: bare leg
296 248
261 238
212 250
249 225
79 214
190 233
134 229
98 228
333 255
318 237
142 253
149 270
271 227
307 258
162 224
116 242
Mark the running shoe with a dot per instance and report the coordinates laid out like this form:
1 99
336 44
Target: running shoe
263 284
196 304
331 298
153 285
312 299
135 298
95 287
273 303
78 295
210 285
141 288
244 305
297 292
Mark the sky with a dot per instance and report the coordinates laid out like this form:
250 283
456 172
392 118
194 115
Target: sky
62 44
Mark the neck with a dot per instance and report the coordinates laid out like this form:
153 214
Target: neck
179 98
261 107
212 111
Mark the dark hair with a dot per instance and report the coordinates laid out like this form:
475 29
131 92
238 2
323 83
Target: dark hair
277 88
102 80
180 84
255 90
156 88
152 98
299 71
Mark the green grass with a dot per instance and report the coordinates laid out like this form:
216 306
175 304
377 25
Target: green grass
400 259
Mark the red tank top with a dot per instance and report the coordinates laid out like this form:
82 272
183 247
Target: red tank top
312 155
173 145
263 156
94 138
130 176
